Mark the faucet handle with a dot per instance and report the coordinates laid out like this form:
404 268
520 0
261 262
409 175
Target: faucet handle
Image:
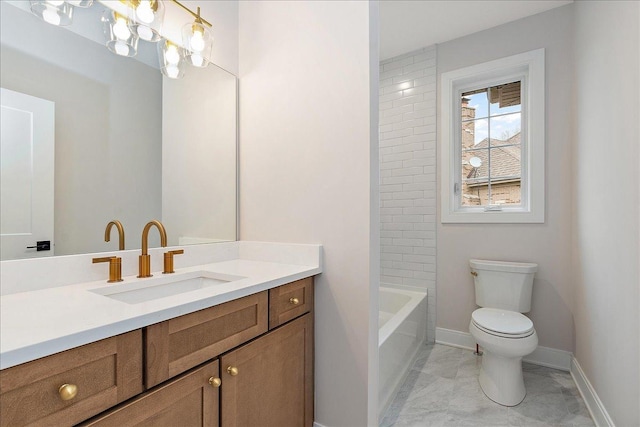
168 260
115 267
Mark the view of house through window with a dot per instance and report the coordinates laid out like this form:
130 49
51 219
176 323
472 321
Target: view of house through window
491 146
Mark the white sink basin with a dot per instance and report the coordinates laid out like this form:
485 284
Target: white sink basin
151 289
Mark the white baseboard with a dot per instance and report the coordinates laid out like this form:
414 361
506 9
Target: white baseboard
455 338
551 358
544 356
597 410
315 424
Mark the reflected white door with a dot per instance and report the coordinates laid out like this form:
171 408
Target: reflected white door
27 127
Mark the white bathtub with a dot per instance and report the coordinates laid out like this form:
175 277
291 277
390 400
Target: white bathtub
403 325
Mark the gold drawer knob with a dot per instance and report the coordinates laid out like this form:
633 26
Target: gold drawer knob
68 391
474 274
294 301
232 370
215 382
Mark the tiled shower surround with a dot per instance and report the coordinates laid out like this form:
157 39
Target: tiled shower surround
408 173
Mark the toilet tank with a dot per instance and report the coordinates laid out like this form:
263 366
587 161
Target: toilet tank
502 284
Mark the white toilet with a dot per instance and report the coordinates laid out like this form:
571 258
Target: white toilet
503 290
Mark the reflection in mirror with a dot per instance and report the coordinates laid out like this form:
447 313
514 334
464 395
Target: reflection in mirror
128 145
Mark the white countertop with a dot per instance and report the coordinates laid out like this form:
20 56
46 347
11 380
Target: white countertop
42 322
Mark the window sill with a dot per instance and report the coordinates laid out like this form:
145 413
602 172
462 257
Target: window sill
492 217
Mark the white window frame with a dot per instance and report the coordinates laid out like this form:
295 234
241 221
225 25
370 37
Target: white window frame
529 68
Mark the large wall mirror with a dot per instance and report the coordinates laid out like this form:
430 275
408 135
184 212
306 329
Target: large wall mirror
124 143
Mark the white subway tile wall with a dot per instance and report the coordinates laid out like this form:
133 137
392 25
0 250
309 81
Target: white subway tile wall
408 174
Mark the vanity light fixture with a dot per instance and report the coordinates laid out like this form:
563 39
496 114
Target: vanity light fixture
119 37
55 12
197 40
171 58
145 18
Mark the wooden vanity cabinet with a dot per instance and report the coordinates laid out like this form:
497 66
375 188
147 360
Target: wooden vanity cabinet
103 374
260 347
189 400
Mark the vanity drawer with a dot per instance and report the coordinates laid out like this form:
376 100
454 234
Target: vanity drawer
179 344
289 301
104 373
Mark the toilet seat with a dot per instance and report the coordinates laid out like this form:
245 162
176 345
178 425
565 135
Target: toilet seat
502 323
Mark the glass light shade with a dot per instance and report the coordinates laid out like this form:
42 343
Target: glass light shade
198 41
145 19
118 36
55 12
80 3
171 58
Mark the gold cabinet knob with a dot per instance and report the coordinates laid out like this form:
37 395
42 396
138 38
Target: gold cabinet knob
294 301
215 382
474 274
232 370
68 391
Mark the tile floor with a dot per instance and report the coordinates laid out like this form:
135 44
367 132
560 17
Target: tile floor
442 390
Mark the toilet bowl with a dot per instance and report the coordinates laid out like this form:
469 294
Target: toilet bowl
503 290
505 337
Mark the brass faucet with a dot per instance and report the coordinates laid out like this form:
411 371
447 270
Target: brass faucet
107 233
145 259
168 261
115 267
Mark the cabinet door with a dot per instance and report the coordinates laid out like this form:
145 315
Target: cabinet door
273 384
189 400
71 386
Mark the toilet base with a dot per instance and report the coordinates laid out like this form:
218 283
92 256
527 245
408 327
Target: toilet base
501 379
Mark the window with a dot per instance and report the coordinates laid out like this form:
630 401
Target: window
492 143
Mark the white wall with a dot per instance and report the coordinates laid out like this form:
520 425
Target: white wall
605 203
307 130
199 170
408 174
547 244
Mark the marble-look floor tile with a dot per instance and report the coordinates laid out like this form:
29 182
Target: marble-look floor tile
563 378
477 415
445 368
469 406
425 419
430 393
578 413
436 353
537 384
469 365
549 408
517 419
442 390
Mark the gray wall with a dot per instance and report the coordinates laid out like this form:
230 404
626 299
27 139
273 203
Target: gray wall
548 244
108 129
605 203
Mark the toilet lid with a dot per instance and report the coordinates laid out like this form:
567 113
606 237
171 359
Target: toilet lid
502 321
